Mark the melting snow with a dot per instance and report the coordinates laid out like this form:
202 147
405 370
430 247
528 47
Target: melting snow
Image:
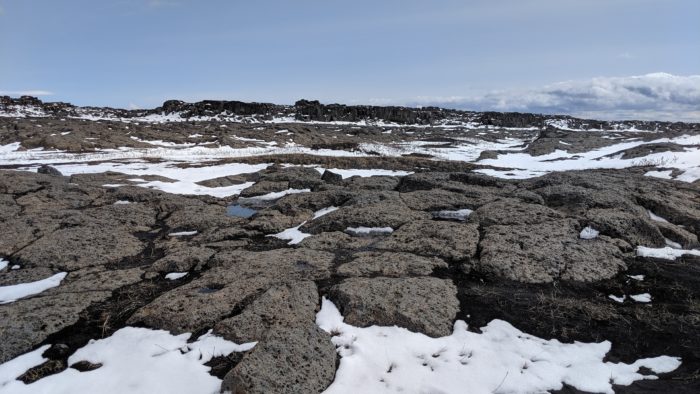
134 360
15 292
278 195
501 359
347 173
3 264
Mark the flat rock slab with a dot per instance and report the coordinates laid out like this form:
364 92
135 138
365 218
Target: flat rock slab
448 240
546 252
427 305
390 264
294 360
291 304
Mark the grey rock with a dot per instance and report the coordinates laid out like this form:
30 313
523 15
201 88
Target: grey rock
79 247
295 360
448 240
332 178
390 264
427 305
546 252
632 228
513 212
182 259
283 305
264 187
390 213
49 170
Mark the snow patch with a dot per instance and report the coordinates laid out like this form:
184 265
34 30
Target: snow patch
183 233
134 360
644 297
15 292
666 253
460 214
500 359
369 230
175 275
589 233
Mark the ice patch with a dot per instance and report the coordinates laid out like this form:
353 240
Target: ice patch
500 359
133 360
15 292
589 233
667 253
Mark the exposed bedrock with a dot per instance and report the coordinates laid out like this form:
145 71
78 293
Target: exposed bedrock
520 248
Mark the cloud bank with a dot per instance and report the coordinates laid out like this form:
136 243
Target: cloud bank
657 96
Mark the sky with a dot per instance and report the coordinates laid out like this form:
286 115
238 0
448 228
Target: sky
592 58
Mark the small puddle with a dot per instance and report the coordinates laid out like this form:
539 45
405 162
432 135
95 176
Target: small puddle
240 211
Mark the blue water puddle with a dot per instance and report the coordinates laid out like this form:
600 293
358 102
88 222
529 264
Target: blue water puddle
240 211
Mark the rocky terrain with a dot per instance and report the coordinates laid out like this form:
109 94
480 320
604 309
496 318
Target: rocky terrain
238 219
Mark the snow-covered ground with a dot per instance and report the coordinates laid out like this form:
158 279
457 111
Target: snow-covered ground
133 360
523 165
501 359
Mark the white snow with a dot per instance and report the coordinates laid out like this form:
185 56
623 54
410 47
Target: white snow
501 359
278 195
674 245
183 233
3 264
122 202
175 275
369 230
636 277
134 360
589 233
184 178
667 253
660 174
617 299
324 211
656 218
363 173
294 235
15 292
460 214
644 297
526 166
11 370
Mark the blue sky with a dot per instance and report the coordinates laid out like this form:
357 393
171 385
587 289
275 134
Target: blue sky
498 54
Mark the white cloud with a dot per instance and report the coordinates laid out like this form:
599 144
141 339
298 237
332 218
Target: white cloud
657 96
25 93
133 106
